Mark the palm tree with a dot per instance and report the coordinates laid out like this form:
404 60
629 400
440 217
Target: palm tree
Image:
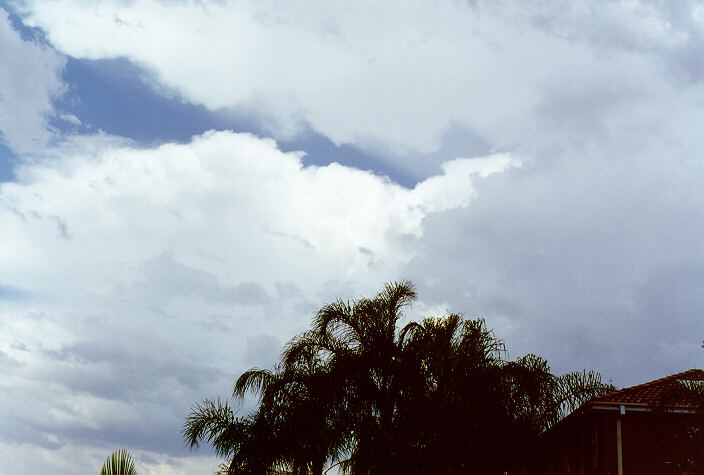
292 430
297 413
472 409
468 409
571 390
357 341
119 462
215 423
436 396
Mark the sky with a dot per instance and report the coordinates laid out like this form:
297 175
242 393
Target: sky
184 184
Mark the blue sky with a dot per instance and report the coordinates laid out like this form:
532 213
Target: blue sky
183 184
113 95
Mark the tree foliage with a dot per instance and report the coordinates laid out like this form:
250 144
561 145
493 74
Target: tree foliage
686 452
360 392
119 462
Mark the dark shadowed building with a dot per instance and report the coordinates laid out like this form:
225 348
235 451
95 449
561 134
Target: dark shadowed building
652 428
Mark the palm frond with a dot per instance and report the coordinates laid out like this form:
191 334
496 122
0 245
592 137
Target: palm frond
301 348
409 330
215 423
338 321
397 295
576 388
684 393
119 462
255 380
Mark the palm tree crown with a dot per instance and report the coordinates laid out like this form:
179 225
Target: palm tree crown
358 391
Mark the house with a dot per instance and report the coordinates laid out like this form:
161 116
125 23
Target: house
652 428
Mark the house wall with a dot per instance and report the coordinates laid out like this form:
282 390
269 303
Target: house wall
666 444
651 444
567 449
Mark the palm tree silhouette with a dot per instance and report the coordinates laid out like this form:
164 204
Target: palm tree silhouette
362 393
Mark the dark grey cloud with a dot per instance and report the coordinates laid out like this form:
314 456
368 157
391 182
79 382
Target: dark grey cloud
262 350
669 32
247 293
6 362
8 292
62 227
18 345
217 324
117 371
589 265
171 279
153 388
286 290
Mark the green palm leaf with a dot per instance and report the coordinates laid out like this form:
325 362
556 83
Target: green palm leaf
120 462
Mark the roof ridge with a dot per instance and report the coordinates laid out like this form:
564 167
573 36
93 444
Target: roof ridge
646 385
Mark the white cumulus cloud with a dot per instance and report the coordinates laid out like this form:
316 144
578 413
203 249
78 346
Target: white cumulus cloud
141 277
395 77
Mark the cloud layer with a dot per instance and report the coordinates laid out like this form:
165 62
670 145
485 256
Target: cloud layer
135 281
403 79
144 280
30 77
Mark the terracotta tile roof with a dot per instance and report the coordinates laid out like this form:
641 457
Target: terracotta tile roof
653 392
